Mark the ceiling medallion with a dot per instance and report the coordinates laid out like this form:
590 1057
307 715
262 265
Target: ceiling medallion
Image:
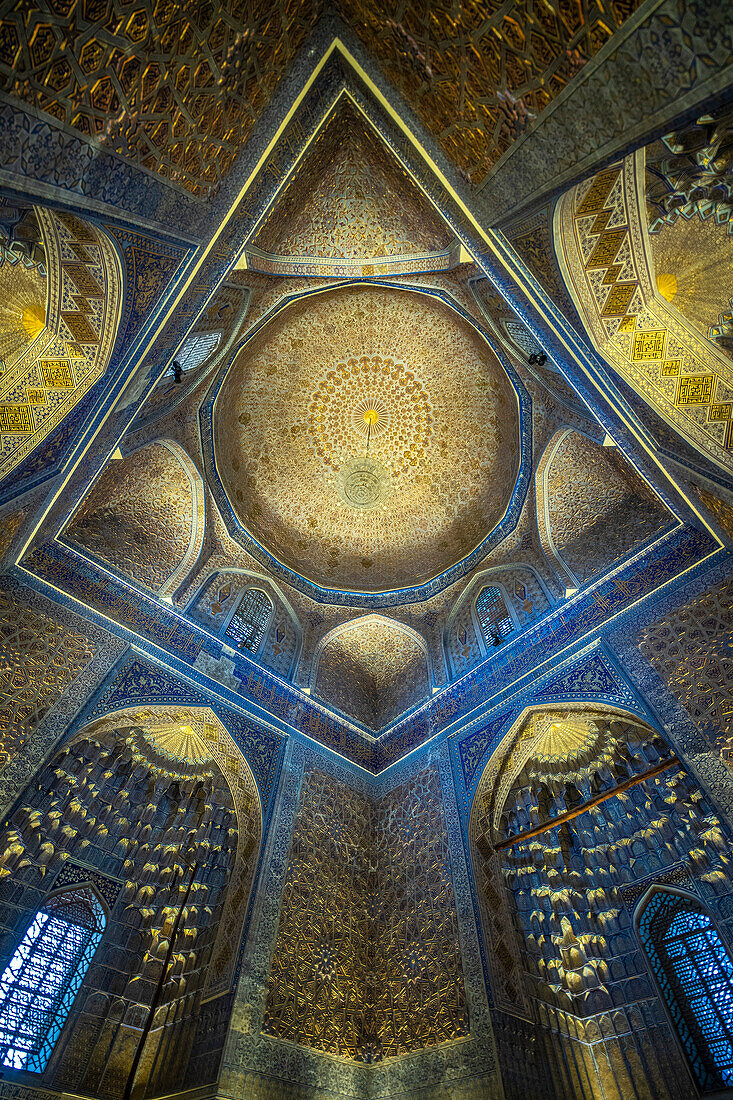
364 483
566 745
370 417
176 741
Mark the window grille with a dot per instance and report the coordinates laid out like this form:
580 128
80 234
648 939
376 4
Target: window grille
695 976
522 337
249 622
492 614
39 984
196 349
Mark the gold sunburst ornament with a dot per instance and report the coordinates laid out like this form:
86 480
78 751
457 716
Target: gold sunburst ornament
178 742
370 416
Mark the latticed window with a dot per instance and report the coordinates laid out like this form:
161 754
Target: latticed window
39 984
492 614
249 622
695 976
196 349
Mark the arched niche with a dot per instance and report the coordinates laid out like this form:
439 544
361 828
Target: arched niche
682 943
145 516
593 509
141 802
217 598
575 808
59 318
525 596
372 668
607 260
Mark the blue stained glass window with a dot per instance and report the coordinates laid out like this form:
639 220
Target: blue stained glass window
695 975
493 615
39 984
249 622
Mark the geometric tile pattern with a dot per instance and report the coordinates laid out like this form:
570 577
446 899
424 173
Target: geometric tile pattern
38 660
178 91
69 339
692 650
603 245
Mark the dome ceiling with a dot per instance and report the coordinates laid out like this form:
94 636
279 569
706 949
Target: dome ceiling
367 438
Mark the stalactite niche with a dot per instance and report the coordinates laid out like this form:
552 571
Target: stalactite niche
572 813
142 808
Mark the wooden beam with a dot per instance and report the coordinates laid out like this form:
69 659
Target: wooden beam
664 766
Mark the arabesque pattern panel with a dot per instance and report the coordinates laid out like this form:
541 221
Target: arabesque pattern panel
367 962
40 658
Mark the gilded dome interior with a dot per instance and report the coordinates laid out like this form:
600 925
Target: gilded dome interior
367 438
366 532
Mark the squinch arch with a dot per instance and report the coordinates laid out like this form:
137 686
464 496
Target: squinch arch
145 516
593 509
372 668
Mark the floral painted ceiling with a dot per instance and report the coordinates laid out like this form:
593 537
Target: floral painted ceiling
367 437
178 88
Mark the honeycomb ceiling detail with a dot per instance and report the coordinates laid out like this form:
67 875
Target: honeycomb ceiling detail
351 199
177 88
367 438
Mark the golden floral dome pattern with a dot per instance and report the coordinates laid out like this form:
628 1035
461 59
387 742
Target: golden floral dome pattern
350 198
367 438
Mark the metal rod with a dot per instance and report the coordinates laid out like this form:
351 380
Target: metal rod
127 1095
569 814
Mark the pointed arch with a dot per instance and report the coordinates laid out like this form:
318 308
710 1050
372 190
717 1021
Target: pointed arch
372 668
124 801
358 623
214 600
155 494
681 373
59 321
525 579
693 970
546 761
178 734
